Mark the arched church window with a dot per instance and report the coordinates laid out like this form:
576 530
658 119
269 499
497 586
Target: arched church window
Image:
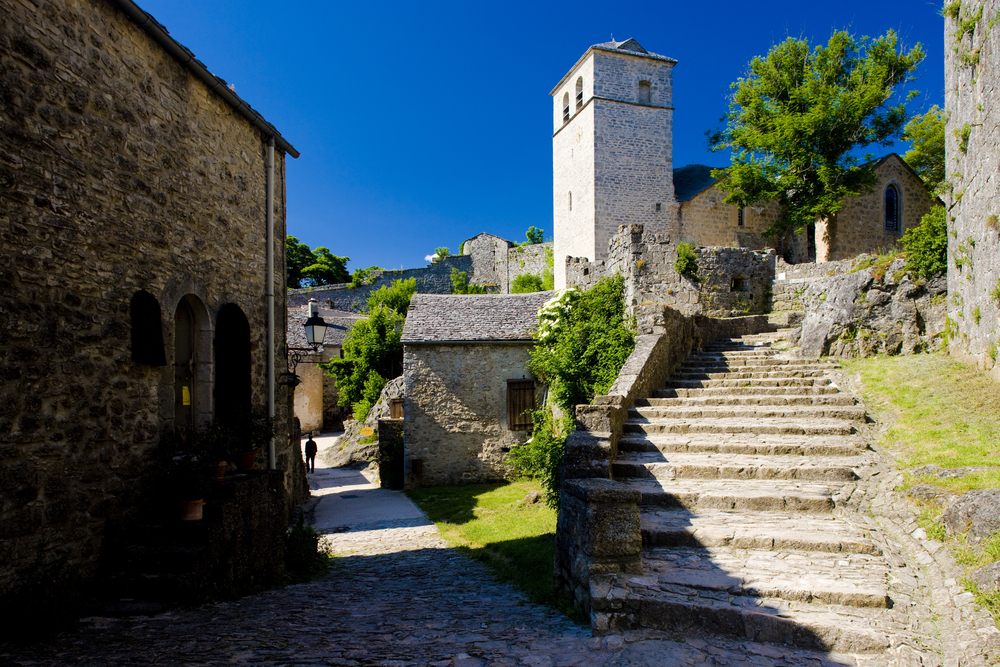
891 208
579 93
565 107
644 95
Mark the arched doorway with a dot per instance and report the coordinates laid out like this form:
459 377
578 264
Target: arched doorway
232 363
192 364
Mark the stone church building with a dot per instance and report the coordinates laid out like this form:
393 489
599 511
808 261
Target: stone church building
612 157
141 201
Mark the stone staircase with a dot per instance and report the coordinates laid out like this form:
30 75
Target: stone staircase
743 462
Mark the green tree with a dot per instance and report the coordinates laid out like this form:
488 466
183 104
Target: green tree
535 235
460 284
372 354
926 155
366 276
310 268
439 254
927 244
396 296
526 282
798 116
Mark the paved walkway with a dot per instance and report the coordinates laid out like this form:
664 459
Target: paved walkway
397 597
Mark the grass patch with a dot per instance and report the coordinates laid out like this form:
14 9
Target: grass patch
942 412
516 541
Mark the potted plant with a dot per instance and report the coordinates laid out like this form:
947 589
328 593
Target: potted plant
189 481
220 442
255 433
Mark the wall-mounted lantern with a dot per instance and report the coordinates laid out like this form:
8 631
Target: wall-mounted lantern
315 334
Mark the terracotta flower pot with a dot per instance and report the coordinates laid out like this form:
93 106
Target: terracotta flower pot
192 510
246 461
220 471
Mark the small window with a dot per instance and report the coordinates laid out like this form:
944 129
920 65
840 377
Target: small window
739 217
579 93
891 209
739 284
565 107
644 88
147 330
571 201
658 208
520 403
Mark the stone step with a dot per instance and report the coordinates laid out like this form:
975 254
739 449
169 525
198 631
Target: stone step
853 580
649 465
740 443
824 390
727 494
776 531
759 382
683 610
749 399
807 412
752 362
762 426
749 375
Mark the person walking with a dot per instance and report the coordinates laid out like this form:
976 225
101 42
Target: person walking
311 454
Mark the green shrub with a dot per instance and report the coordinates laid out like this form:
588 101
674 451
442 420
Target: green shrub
535 235
304 559
583 342
395 296
927 244
372 354
525 283
995 294
363 277
687 260
963 135
460 284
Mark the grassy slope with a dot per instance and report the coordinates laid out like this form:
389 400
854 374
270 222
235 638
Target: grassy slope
946 413
489 523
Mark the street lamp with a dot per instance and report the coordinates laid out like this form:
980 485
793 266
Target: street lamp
315 333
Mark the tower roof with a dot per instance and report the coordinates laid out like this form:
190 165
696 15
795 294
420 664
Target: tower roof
629 47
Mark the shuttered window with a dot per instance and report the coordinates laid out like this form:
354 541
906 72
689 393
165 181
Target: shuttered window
520 403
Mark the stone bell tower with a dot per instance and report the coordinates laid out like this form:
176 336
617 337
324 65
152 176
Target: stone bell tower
612 149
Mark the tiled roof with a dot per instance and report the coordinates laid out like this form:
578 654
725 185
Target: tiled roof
632 47
691 179
339 322
439 318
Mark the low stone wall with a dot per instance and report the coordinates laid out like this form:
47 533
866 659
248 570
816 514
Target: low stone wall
872 311
730 281
594 509
432 279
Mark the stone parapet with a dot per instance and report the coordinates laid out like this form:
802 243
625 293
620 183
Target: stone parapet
598 533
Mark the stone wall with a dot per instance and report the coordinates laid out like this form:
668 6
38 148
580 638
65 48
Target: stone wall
871 311
792 280
972 96
119 172
527 260
730 281
456 411
431 279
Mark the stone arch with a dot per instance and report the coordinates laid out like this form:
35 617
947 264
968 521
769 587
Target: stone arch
565 107
579 93
232 363
892 208
192 364
147 330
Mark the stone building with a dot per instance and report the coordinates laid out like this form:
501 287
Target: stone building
316 396
972 97
136 194
866 224
612 149
468 385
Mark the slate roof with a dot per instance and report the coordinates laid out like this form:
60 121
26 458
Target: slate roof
631 47
473 318
339 323
691 179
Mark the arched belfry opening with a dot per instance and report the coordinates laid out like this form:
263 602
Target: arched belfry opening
192 364
579 93
232 363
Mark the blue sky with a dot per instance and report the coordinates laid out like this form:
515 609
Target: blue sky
423 124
